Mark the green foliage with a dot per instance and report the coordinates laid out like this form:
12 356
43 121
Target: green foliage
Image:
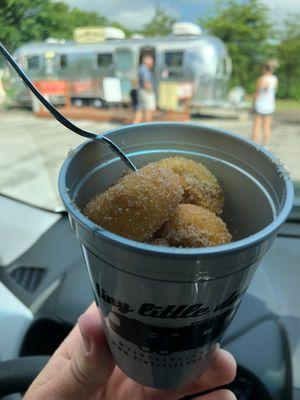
159 25
288 54
248 34
23 21
77 17
246 30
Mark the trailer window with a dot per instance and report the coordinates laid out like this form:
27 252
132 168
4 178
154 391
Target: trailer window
104 60
124 60
63 61
33 62
174 59
222 68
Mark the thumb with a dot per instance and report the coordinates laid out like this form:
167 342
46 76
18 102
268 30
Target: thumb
80 366
92 363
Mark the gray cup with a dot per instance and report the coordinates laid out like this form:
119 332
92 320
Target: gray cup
164 309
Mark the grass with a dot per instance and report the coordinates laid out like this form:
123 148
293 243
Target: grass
282 104
287 104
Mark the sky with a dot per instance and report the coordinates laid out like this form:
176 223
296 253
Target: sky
135 13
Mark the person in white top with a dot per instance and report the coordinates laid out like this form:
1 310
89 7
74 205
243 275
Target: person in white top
264 103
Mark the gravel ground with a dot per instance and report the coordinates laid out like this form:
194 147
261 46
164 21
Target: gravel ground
33 149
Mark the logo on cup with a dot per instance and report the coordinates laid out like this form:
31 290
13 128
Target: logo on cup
165 340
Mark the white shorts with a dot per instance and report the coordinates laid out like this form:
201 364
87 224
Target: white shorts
146 100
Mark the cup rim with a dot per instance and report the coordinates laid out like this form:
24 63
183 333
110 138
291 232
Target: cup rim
130 244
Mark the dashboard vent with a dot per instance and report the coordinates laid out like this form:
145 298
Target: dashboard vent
28 277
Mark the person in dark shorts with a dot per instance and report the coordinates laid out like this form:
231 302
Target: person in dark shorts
134 96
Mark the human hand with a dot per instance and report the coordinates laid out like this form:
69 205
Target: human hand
82 368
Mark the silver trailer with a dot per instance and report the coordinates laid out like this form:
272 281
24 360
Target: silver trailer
198 64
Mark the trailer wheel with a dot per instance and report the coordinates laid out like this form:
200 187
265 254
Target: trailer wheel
78 103
97 103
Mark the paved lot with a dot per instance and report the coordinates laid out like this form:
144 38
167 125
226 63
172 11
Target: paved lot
32 150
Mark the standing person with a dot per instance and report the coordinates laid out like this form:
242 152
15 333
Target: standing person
264 103
146 94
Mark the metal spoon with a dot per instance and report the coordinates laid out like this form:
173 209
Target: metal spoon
60 118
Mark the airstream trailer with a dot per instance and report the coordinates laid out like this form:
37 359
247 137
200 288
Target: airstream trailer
189 66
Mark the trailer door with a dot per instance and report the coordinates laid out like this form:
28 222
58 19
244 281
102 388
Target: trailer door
124 68
147 51
222 79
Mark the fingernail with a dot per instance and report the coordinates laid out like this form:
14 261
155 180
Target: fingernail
85 338
217 346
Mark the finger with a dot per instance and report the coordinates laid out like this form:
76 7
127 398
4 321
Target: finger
81 376
221 371
92 363
218 395
70 343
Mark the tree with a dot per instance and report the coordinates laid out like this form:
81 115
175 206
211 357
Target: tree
159 25
23 21
245 29
288 51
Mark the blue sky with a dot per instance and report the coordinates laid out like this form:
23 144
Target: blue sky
134 13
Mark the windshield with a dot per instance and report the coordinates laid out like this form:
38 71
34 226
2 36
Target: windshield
234 65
